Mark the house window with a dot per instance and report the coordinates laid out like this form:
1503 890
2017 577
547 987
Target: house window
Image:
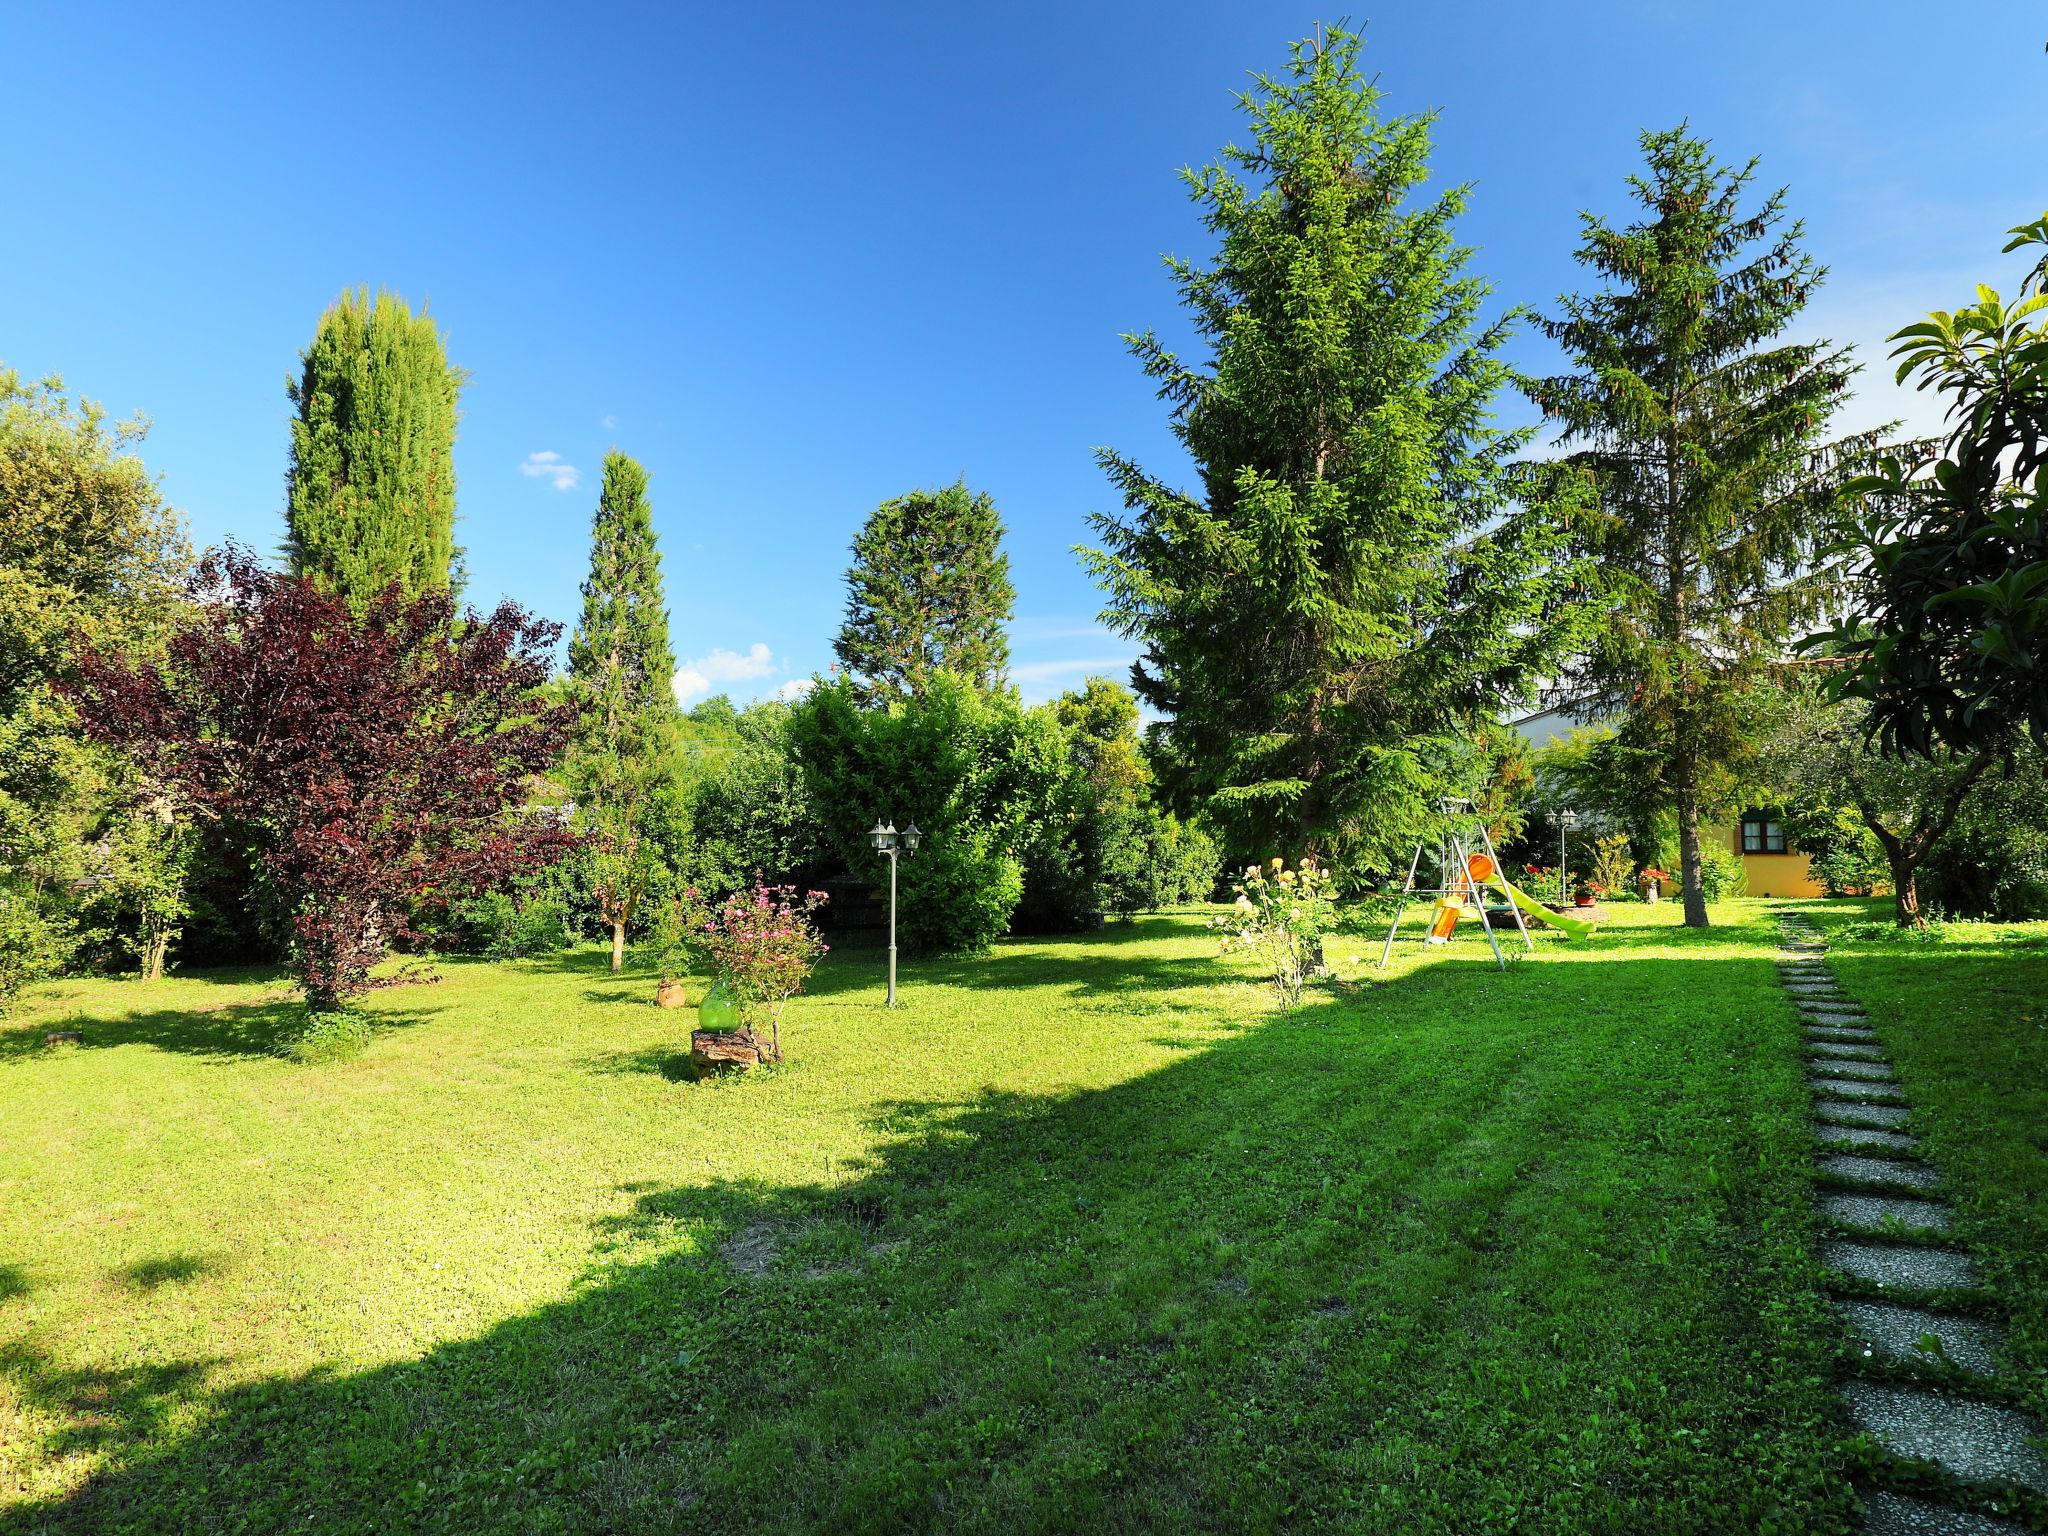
1762 832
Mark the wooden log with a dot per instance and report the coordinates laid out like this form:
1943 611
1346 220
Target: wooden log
65 1037
713 1048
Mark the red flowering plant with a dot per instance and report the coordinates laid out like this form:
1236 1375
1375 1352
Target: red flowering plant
762 945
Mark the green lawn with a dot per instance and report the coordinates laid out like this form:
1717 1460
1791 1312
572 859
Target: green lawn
1965 1020
1085 1237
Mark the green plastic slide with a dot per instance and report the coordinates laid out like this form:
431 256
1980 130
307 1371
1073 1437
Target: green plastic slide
1572 927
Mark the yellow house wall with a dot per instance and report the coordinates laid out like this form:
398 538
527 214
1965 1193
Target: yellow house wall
1768 874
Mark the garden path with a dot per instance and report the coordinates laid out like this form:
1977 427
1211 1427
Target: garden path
1925 1380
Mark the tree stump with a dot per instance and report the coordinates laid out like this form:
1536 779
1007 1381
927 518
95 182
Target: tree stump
720 1049
65 1037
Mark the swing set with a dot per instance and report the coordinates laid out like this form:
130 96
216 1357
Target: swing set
1467 873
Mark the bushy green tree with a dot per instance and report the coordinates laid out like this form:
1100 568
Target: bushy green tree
622 767
1362 572
750 810
1705 434
1818 755
975 770
1948 620
370 496
929 591
90 553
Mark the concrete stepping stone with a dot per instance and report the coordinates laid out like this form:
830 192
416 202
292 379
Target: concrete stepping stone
1860 1089
1866 1071
1893 1266
1873 1213
1893 1514
1978 1442
1848 1034
1864 1136
1880 1331
1845 1050
1881 1170
1813 1012
1837 1112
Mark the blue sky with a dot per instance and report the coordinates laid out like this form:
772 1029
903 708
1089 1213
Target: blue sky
800 260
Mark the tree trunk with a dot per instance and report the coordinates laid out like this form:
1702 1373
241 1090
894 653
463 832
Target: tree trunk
618 943
1685 791
1905 888
153 958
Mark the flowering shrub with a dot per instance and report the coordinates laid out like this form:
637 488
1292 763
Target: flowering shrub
761 944
1281 915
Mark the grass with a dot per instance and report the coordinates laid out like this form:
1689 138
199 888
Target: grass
1964 1017
1086 1236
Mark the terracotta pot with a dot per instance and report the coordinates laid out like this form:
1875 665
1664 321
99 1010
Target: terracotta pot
670 994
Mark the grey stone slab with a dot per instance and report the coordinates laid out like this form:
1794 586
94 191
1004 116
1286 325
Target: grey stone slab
1892 1266
1843 1013
1848 1034
1845 1050
1975 1441
1881 1170
1880 1331
1893 1514
1873 1213
1864 1136
1864 1071
1835 1112
1859 1089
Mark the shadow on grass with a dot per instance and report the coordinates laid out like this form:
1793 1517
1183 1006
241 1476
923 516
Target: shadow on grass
169 1269
1524 1264
224 1031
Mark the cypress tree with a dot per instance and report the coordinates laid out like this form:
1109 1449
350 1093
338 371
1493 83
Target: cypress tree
1706 439
370 496
621 669
929 590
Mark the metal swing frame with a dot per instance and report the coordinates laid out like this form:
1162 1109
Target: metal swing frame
1464 834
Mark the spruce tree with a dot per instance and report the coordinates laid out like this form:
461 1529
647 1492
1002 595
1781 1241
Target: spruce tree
1362 572
621 670
370 496
1707 445
929 590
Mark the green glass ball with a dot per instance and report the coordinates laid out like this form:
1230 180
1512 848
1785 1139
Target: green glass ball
718 1012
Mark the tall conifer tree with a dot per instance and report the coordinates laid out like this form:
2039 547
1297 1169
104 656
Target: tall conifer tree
1362 570
621 672
1707 444
929 589
370 496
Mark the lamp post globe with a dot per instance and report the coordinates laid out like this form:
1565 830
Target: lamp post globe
911 838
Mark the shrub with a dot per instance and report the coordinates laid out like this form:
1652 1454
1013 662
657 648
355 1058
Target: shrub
1151 859
506 926
761 945
1720 872
977 772
337 1034
31 946
1281 915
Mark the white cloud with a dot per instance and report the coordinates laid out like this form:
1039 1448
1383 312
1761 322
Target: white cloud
610 423
549 466
794 689
694 679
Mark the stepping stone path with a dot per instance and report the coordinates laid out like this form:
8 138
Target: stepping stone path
1919 1365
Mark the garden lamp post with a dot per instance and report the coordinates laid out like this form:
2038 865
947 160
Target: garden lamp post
1566 819
888 840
